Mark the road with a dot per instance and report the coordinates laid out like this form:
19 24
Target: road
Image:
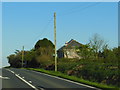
28 79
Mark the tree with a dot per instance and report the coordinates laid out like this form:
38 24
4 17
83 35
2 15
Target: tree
44 43
44 52
85 51
44 55
41 54
11 59
29 55
15 60
97 44
16 52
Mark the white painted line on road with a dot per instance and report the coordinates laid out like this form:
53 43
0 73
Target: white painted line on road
30 81
68 80
25 81
10 71
4 77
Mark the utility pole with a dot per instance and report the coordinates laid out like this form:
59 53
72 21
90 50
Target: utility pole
55 41
22 55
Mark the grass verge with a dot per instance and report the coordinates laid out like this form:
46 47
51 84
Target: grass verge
76 79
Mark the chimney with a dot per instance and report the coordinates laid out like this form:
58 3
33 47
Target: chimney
66 43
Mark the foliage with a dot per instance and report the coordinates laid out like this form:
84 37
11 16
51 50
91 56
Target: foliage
29 56
92 70
85 51
15 60
44 43
103 69
44 60
73 78
38 57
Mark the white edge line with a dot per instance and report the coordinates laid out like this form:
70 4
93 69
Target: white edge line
24 80
67 80
4 77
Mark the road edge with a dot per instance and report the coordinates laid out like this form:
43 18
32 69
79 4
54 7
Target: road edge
32 86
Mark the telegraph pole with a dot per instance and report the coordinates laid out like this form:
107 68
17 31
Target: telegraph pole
55 41
22 55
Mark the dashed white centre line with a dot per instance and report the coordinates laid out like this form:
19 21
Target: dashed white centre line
30 81
26 82
22 78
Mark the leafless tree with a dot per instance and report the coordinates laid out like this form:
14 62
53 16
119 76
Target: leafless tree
97 43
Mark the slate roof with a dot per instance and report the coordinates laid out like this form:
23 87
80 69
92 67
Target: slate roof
71 44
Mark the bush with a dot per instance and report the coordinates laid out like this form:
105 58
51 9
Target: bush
92 70
44 60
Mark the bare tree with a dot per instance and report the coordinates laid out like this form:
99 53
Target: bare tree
97 44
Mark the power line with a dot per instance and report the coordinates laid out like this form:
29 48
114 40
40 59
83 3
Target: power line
72 11
43 30
45 27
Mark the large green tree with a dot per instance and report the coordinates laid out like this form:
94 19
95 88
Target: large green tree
45 43
44 51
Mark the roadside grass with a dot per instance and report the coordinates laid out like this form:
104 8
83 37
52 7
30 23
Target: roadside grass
76 79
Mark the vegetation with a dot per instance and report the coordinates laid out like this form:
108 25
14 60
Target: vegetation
40 56
73 78
98 64
44 43
95 71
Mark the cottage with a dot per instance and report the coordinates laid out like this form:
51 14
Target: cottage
69 50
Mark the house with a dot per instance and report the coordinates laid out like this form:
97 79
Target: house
69 50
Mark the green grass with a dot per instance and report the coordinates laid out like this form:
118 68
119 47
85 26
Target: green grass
73 78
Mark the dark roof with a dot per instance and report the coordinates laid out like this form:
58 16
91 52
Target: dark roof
71 44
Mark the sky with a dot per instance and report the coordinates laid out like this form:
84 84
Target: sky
60 0
24 23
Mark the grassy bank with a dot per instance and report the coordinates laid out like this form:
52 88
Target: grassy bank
73 78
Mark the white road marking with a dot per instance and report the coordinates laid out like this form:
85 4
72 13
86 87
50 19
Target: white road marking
25 80
30 81
68 80
4 77
10 71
